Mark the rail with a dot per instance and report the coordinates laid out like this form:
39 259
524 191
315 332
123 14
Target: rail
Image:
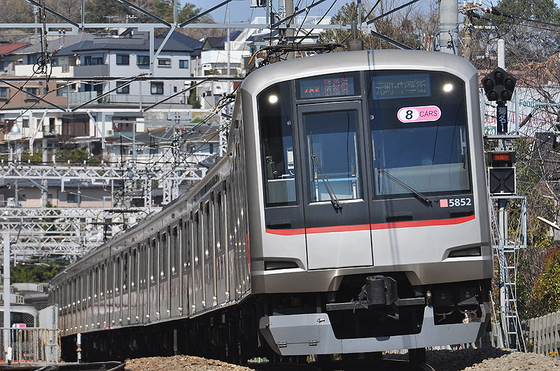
31 345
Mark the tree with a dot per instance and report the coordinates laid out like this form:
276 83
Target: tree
528 27
409 26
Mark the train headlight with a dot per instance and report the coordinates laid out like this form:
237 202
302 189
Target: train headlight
447 88
273 99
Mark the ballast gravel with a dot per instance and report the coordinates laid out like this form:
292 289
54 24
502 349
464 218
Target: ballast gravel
470 359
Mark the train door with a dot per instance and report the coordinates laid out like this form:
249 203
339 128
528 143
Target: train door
196 302
220 245
333 185
186 256
163 305
208 228
174 269
133 285
143 279
153 296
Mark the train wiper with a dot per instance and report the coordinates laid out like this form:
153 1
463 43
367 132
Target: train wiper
332 195
419 195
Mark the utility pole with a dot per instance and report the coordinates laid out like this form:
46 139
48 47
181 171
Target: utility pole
448 27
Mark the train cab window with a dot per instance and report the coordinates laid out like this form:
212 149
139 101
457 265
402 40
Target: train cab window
277 145
418 131
333 155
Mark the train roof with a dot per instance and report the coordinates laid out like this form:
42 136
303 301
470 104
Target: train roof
356 61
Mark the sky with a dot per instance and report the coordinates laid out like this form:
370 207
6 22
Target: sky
240 11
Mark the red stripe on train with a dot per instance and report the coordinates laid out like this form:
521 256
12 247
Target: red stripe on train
365 227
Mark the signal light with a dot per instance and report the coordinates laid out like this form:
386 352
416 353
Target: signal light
501 159
499 85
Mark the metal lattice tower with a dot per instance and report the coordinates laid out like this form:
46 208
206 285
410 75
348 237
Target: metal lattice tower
506 251
72 232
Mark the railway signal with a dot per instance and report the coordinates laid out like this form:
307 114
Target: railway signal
501 174
498 86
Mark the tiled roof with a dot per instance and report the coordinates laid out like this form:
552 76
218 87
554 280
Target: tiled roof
7 49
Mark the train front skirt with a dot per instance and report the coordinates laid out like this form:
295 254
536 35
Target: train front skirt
301 334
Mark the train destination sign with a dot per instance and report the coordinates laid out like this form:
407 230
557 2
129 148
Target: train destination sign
332 86
401 86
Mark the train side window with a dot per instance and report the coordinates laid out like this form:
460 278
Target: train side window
277 145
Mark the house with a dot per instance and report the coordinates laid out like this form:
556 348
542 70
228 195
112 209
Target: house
8 59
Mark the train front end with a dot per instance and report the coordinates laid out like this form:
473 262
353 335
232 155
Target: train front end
368 209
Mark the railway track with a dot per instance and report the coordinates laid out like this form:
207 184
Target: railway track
378 365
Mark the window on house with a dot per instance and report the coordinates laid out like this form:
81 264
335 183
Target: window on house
124 89
97 60
3 92
87 60
25 122
30 91
123 59
183 63
156 87
164 62
143 60
61 90
72 198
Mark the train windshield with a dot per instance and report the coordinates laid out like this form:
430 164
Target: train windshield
418 131
277 145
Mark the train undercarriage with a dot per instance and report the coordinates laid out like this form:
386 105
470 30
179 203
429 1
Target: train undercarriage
367 314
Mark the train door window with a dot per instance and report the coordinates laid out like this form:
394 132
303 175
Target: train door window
96 283
102 282
117 274
196 240
164 256
333 155
133 268
419 138
143 271
277 145
219 222
153 261
208 233
186 245
110 277
174 250
125 272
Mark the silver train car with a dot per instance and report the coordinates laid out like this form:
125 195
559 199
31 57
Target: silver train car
349 216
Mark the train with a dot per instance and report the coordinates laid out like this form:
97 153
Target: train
349 216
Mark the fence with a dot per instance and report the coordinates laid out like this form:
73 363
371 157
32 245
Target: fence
543 334
32 345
